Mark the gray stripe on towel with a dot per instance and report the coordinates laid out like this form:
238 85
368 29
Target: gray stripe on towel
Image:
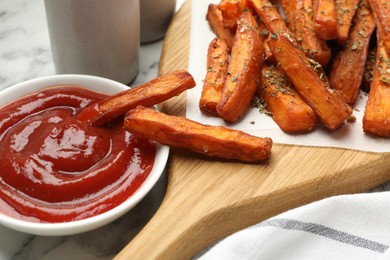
324 231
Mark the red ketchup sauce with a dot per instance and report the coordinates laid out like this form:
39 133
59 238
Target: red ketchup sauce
54 168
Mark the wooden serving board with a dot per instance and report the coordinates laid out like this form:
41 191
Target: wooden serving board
208 199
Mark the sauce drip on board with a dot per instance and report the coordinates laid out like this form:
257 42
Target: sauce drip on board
54 168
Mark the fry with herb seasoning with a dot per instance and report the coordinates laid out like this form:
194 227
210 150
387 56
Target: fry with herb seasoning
150 93
290 11
326 103
264 33
217 62
270 16
381 10
325 19
271 20
346 10
243 69
289 110
214 17
299 15
349 64
268 55
231 10
376 119
213 141
302 26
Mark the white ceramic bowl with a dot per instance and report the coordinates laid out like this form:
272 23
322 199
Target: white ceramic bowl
68 228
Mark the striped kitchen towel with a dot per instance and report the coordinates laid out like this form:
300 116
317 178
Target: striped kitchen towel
341 227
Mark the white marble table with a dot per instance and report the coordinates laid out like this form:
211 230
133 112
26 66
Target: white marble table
25 54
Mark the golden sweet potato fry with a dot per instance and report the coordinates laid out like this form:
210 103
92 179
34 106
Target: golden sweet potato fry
289 110
299 15
148 94
290 8
325 19
346 10
269 16
231 11
264 33
243 70
214 17
213 141
268 55
376 119
301 26
381 10
349 64
326 103
217 62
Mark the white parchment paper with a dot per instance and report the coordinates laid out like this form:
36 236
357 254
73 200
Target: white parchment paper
350 135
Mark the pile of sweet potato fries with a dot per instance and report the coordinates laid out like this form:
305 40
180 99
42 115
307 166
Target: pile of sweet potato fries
305 59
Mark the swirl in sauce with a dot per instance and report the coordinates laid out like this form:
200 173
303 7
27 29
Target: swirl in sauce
54 168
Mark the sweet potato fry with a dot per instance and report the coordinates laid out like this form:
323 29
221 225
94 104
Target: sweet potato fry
348 66
381 10
214 17
289 110
346 10
290 11
300 21
243 70
264 33
217 62
325 19
369 70
376 119
148 94
270 16
214 141
302 26
231 10
326 103
268 55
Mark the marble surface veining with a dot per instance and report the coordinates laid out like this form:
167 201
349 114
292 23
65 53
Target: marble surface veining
25 47
25 54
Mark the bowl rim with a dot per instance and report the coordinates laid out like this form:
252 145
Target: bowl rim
94 222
